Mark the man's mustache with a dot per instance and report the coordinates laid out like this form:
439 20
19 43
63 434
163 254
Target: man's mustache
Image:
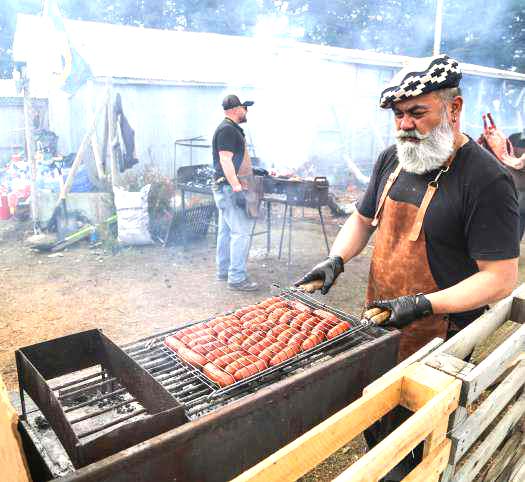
412 133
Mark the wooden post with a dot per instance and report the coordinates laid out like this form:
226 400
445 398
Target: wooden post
28 127
80 153
112 138
94 137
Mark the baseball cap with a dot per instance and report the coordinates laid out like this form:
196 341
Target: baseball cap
231 101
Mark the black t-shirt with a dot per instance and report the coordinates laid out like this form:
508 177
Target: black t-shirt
473 215
228 136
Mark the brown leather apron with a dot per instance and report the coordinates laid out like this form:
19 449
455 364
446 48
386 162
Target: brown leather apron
400 264
252 185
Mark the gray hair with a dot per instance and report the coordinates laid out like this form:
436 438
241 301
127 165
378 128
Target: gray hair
448 95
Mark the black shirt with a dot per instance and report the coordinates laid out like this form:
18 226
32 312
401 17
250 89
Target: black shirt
228 136
473 215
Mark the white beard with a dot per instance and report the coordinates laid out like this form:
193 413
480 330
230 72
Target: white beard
430 152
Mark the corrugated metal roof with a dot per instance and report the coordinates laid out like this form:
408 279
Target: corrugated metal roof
164 55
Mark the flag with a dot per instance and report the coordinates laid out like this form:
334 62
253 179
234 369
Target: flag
74 69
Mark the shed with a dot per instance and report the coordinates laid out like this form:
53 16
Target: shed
310 100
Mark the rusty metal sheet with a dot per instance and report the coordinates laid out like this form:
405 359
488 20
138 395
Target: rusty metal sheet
226 442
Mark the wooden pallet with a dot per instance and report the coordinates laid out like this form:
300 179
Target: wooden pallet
431 394
440 388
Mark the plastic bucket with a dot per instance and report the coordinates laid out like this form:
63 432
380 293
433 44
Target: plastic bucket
5 213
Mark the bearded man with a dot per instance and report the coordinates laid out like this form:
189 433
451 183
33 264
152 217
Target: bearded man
445 213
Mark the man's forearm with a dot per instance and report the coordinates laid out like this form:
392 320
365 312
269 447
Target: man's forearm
353 237
480 289
229 170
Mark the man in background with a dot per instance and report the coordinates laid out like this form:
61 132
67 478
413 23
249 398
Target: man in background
232 162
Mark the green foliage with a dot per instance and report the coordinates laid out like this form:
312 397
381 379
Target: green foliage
476 31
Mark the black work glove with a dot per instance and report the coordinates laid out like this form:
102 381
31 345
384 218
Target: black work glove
239 199
327 271
404 310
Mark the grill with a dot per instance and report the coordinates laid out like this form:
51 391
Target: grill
160 392
199 395
302 193
107 379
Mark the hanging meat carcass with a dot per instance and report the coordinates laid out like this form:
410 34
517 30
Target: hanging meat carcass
498 144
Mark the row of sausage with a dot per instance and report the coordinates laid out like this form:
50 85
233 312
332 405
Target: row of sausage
233 347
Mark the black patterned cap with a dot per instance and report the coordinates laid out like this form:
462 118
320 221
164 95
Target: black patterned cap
421 76
231 101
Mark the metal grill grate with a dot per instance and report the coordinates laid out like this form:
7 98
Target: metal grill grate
198 395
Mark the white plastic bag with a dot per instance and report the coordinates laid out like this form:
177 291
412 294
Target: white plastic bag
132 216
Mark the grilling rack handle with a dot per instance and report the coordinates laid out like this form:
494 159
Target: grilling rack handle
320 181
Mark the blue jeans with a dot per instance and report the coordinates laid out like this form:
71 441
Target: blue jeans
233 238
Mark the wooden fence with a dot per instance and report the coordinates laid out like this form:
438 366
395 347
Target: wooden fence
463 412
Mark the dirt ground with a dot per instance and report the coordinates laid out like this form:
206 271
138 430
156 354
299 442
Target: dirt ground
134 292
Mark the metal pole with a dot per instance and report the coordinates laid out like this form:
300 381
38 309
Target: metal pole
28 127
438 27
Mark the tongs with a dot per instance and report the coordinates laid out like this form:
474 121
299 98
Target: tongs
372 316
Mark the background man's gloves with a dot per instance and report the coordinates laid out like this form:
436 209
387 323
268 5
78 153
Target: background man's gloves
239 199
404 310
327 271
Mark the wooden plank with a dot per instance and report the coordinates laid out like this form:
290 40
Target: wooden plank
476 424
492 367
420 384
436 437
502 459
390 451
307 451
431 466
463 343
376 386
449 364
12 457
475 461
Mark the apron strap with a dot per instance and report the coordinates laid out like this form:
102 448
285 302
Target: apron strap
427 198
389 183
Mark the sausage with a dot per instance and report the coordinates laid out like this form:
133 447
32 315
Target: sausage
286 335
242 311
189 356
201 340
250 370
224 325
311 341
288 316
254 322
188 330
270 351
276 314
298 321
260 346
266 326
253 314
267 302
225 360
286 353
241 362
322 327
227 334
297 305
220 319
298 338
253 339
326 315
276 306
309 324
278 329
174 344
222 350
338 329
238 337
205 348
218 376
